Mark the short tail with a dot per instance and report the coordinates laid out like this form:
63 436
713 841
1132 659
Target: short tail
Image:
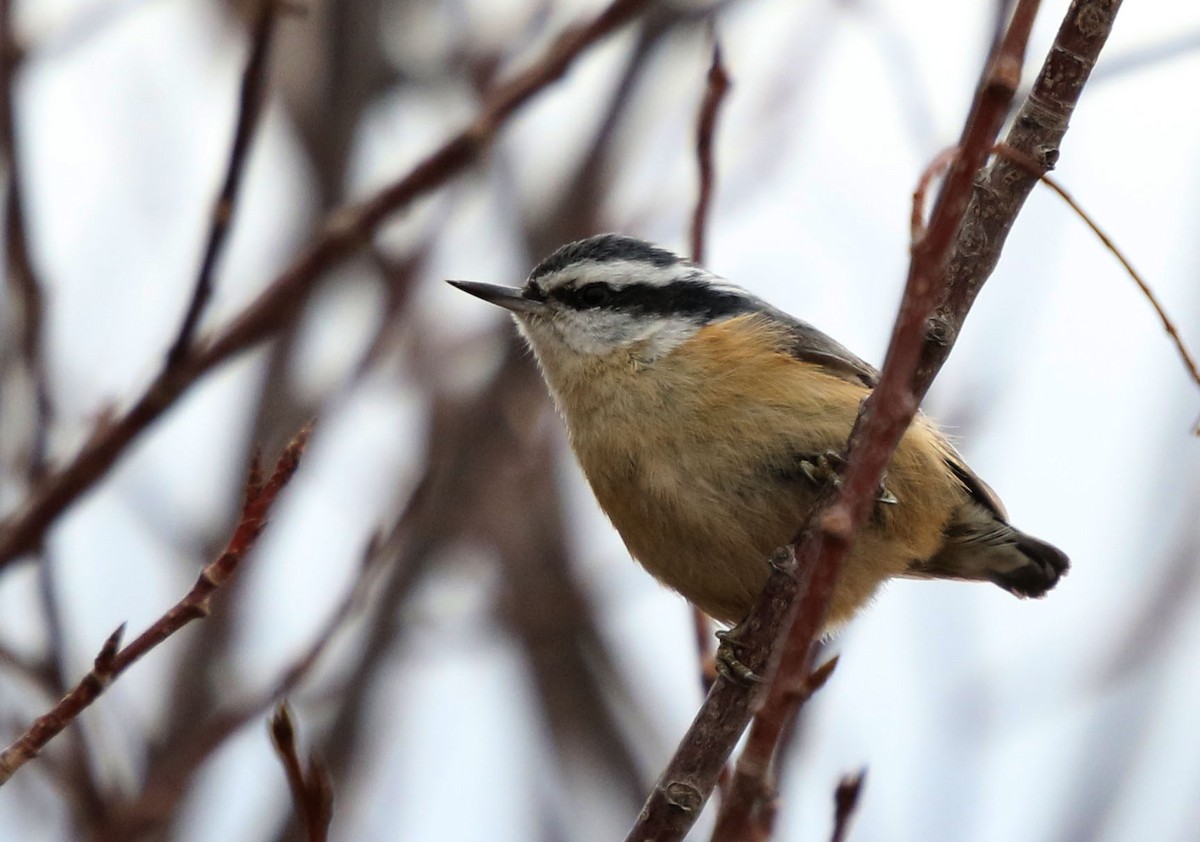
981 547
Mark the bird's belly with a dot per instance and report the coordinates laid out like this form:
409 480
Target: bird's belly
702 525
704 518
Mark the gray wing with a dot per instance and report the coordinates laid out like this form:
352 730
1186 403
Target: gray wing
807 343
810 345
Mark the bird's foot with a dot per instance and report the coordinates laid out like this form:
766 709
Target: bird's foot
729 664
826 469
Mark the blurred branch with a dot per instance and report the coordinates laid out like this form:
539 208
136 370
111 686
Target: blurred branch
280 304
170 771
250 101
37 674
845 803
479 448
113 660
714 96
1140 58
1169 326
950 264
19 271
312 793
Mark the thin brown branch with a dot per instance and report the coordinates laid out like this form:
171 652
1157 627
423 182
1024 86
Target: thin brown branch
114 660
716 89
19 269
1168 324
167 778
823 545
845 803
312 793
714 96
280 304
996 199
250 102
936 169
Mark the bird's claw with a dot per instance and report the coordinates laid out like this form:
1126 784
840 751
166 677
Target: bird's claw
826 469
729 665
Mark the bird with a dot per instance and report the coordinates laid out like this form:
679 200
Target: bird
708 422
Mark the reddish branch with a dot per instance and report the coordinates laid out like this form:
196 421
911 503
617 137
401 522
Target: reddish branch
170 773
974 213
312 793
280 304
114 660
824 546
250 101
706 124
714 96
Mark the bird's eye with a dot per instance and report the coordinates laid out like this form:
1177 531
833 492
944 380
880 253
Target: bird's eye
595 295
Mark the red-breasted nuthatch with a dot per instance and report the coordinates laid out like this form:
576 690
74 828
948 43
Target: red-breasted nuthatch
705 421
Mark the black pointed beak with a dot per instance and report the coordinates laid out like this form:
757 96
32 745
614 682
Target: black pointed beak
510 298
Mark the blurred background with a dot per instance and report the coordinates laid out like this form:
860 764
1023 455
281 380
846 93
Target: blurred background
503 670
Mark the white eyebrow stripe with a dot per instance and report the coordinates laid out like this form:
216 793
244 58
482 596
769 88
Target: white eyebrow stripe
623 273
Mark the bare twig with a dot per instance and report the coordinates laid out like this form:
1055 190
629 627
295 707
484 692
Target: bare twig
845 802
250 101
312 793
114 660
706 124
280 304
994 203
936 169
1169 326
714 95
166 779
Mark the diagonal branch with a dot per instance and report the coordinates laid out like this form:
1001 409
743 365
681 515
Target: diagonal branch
1189 361
824 544
250 101
114 660
280 304
994 202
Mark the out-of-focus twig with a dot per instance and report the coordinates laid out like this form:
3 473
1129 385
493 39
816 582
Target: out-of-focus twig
37 674
706 125
471 450
996 199
19 269
279 305
170 772
250 102
845 803
1169 326
114 660
312 793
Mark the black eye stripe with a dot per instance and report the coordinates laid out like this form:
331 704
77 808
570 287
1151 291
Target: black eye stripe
679 298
